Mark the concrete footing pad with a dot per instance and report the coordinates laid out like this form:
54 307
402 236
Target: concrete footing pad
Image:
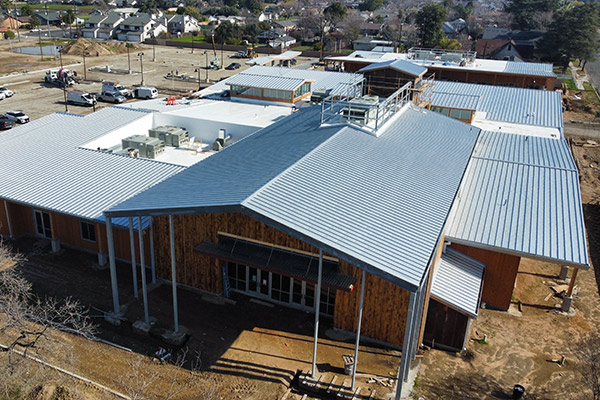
175 338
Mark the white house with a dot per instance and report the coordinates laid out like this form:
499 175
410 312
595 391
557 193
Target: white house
139 28
109 26
92 25
183 24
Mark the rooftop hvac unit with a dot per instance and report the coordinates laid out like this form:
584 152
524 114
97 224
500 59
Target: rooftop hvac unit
452 57
318 95
424 55
148 147
362 109
171 135
222 140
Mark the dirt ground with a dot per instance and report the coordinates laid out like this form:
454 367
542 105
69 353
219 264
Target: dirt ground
24 74
247 350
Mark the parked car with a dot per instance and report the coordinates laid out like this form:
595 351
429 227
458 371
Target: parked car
145 92
81 98
17 116
233 66
6 123
111 97
6 92
115 87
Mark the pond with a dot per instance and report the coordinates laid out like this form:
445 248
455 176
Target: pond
50 50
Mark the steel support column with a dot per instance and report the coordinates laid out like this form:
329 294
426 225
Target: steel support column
173 277
143 270
113 266
317 311
360 310
133 267
405 361
152 259
10 231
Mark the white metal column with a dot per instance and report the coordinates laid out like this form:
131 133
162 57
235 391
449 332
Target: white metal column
113 266
405 361
133 267
173 276
152 259
317 310
10 231
360 310
143 270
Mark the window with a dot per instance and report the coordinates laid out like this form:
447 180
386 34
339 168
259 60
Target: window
42 224
464 115
277 94
302 90
246 91
441 110
327 301
237 276
88 231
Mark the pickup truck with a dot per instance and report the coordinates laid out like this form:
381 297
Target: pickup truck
111 97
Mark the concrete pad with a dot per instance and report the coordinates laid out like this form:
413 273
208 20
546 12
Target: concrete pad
175 338
141 327
113 319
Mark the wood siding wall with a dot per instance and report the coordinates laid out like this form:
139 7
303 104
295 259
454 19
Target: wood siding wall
384 311
4 228
445 326
500 274
67 230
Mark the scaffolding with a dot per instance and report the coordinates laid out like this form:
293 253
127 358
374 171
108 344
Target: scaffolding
422 93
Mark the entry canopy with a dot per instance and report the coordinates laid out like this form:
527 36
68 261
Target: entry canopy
457 282
273 259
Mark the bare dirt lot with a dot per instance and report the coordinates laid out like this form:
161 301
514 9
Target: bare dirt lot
24 74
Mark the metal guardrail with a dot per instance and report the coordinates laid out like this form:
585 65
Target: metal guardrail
346 109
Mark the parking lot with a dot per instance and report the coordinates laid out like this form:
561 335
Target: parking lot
24 74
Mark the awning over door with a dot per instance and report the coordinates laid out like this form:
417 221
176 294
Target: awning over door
284 262
457 282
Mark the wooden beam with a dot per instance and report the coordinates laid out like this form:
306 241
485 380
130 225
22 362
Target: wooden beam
572 282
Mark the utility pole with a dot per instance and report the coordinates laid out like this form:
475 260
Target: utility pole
153 47
85 53
141 55
17 21
128 58
65 94
48 21
206 54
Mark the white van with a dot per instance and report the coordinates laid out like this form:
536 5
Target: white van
114 87
145 92
81 98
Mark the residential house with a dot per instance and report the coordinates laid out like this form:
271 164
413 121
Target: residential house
498 49
285 24
49 17
139 28
369 43
370 28
525 42
12 23
179 24
454 28
92 25
108 26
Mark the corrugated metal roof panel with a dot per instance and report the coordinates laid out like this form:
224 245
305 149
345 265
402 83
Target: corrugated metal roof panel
453 100
529 68
400 65
265 81
382 201
43 165
516 105
457 282
526 201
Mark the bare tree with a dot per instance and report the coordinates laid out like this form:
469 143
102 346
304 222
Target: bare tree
26 320
587 351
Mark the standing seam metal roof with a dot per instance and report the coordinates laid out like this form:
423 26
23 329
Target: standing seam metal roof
43 165
521 194
453 100
507 104
400 65
457 282
265 81
379 202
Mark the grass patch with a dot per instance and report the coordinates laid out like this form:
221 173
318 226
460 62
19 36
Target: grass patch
60 7
199 38
570 84
302 48
559 71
